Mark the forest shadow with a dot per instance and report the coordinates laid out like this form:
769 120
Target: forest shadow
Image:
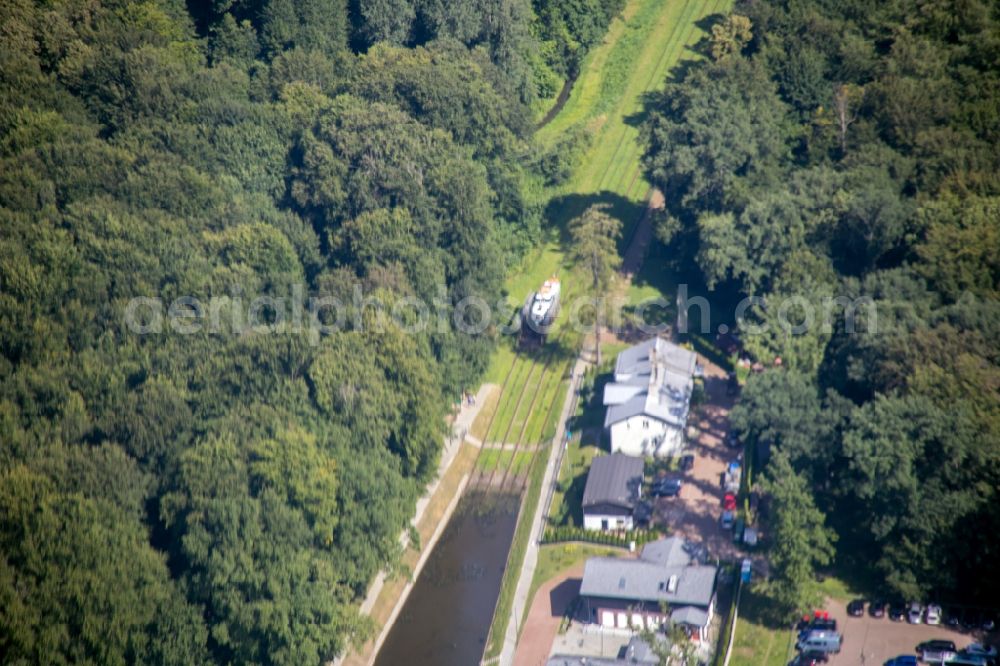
656 98
561 210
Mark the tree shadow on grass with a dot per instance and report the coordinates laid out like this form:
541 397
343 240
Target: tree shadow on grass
758 609
561 210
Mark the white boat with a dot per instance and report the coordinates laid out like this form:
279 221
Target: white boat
545 304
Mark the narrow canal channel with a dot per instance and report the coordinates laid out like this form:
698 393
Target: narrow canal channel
447 616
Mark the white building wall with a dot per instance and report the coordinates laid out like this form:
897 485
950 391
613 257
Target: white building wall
595 522
643 436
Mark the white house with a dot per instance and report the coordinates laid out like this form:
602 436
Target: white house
612 492
649 399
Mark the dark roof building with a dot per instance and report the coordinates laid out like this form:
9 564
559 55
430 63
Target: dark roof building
611 495
614 480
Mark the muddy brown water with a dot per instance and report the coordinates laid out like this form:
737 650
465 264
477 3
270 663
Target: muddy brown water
446 619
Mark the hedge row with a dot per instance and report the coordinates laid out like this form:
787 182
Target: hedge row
571 533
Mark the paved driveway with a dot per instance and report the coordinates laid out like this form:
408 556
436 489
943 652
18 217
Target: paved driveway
871 641
695 513
547 609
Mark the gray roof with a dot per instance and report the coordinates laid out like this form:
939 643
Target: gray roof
637 651
640 580
669 552
635 360
665 395
690 615
668 406
613 479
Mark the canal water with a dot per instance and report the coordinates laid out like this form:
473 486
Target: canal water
447 616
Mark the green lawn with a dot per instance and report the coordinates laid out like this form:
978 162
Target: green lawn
757 642
556 558
565 508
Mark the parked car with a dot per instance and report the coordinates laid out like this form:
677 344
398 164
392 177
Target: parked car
686 462
914 613
877 608
897 611
727 520
856 608
820 641
729 502
987 624
980 650
936 650
902 660
732 440
810 658
666 487
817 624
961 659
933 614
951 618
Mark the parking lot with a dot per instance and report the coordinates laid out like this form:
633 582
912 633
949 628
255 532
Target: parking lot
870 641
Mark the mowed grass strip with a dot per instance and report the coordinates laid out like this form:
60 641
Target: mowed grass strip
552 414
518 399
674 26
522 462
487 460
588 86
612 148
630 181
508 401
550 394
528 402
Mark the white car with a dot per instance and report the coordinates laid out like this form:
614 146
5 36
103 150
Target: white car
914 613
979 650
933 615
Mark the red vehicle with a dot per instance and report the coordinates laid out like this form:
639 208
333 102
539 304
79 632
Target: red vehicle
729 502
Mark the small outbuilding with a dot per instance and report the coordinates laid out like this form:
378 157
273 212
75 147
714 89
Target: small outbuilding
612 493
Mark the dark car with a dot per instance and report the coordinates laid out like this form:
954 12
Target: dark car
809 658
936 644
823 624
877 608
897 611
902 660
951 618
732 440
686 463
936 651
817 624
856 608
668 487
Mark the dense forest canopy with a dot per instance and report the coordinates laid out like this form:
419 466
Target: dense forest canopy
228 494
850 149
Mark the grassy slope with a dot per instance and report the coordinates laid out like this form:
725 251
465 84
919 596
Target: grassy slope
638 53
